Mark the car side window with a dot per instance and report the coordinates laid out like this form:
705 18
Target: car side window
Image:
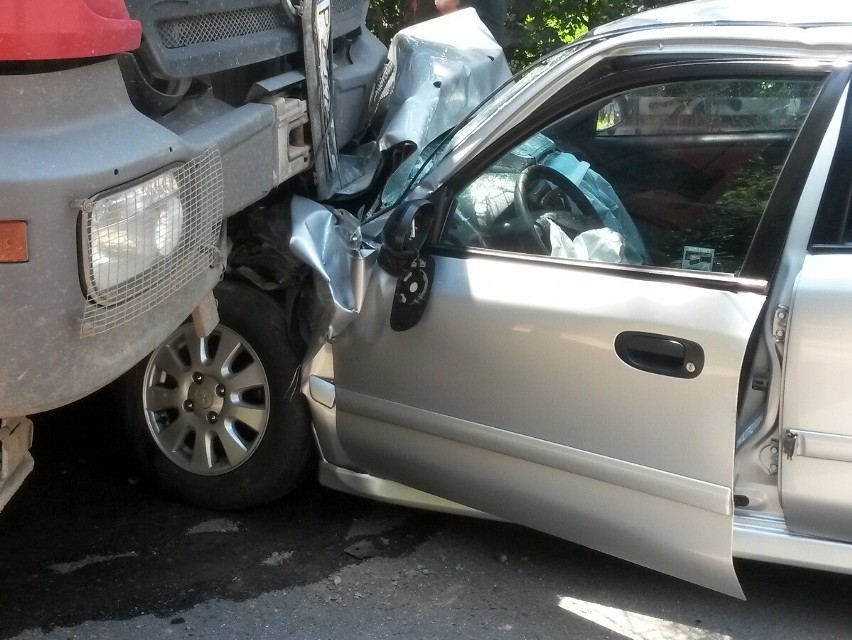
673 175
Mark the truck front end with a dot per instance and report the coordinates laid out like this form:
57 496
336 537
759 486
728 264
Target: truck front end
128 135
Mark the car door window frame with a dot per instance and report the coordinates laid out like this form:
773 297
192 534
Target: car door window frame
832 231
596 86
769 239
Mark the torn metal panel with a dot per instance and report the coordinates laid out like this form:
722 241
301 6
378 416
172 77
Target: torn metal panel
444 68
437 72
356 171
329 241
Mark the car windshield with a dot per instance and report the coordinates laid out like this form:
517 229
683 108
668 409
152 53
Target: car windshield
422 161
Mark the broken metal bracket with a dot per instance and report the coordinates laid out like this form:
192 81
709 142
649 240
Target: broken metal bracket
205 316
16 439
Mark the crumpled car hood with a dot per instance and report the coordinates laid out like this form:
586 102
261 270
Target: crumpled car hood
443 69
436 73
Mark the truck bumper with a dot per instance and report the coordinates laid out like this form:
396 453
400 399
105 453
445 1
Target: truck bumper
65 137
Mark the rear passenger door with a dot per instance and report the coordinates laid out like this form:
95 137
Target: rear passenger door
815 427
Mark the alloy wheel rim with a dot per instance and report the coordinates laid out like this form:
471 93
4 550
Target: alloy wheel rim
206 400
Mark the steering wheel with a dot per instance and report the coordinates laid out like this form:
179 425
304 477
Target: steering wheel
537 174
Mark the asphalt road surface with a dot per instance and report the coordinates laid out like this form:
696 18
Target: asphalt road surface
88 551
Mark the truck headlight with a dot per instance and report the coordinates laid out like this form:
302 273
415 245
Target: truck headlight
127 232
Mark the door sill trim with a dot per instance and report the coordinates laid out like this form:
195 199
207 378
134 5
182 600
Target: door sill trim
755 537
766 539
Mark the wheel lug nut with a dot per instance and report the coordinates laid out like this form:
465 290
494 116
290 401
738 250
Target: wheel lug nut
220 390
188 405
197 377
212 417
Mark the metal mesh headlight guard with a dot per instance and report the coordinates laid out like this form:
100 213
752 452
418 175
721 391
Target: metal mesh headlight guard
143 242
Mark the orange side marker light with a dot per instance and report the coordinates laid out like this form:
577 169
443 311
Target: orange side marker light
13 241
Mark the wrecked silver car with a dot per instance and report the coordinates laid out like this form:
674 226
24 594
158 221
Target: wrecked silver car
610 303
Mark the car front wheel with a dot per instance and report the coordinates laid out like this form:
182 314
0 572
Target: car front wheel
218 421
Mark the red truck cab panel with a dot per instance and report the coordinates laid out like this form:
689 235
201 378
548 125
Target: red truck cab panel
62 29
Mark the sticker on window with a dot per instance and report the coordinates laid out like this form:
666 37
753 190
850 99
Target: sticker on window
698 258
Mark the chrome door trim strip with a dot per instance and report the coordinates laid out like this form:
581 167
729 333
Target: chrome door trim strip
823 446
661 484
706 280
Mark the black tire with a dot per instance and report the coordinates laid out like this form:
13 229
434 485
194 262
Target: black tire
276 460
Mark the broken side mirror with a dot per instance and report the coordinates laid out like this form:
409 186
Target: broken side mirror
404 234
403 237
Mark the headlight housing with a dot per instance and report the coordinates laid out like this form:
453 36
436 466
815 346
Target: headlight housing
127 232
145 241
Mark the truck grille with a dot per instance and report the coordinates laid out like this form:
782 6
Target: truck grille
197 250
211 27
176 33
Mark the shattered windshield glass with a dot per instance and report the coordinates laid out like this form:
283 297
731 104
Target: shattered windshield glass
404 178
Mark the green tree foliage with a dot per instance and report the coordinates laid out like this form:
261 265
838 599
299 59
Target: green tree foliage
534 27
386 17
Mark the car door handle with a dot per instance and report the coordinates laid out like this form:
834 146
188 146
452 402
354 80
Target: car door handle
656 353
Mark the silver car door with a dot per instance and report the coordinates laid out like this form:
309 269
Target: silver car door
816 436
593 401
509 397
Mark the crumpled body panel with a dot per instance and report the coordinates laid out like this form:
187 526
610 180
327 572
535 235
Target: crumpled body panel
438 71
444 68
329 241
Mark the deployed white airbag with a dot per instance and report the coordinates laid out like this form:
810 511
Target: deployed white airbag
598 245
